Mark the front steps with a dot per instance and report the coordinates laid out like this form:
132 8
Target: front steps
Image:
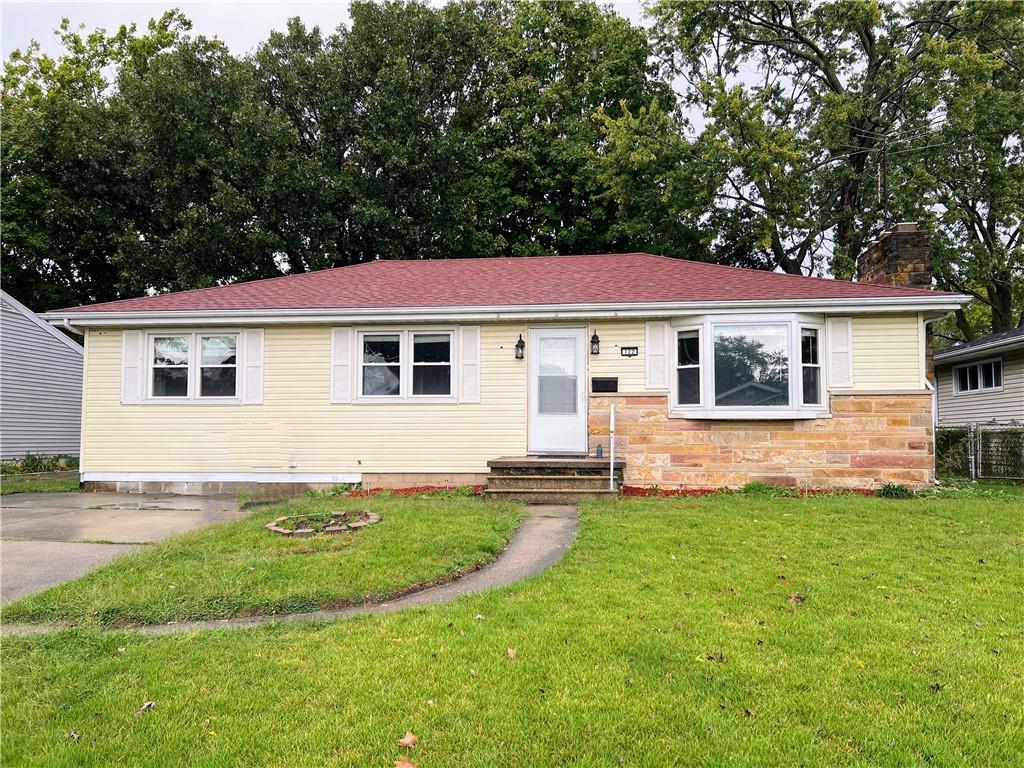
551 479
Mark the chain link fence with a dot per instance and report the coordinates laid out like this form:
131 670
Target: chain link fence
991 450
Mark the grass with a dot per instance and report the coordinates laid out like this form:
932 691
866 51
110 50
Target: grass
238 568
733 630
34 484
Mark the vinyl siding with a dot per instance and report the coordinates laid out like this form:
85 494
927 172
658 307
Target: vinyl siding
298 429
887 352
968 407
614 335
40 389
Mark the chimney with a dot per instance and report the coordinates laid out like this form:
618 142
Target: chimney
900 257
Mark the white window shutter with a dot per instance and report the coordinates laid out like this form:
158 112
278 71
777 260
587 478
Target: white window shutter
341 365
131 367
657 353
253 381
840 345
469 363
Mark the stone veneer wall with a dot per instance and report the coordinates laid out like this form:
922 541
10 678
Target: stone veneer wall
871 439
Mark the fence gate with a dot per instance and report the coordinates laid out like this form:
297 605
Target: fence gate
996 451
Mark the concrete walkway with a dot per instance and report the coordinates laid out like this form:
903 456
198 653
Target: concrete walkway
541 541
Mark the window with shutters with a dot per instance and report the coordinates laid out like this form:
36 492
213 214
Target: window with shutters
192 365
749 367
407 365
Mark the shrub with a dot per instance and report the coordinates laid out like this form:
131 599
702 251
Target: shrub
33 463
894 491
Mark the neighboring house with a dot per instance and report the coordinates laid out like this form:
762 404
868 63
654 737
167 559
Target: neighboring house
420 372
40 385
981 380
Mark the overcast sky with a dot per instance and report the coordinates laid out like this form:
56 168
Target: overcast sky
242 25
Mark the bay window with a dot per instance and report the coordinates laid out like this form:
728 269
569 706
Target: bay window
399 365
748 367
193 365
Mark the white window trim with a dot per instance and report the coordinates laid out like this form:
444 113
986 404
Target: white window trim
709 411
819 328
980 390
405 337
701 365
194 365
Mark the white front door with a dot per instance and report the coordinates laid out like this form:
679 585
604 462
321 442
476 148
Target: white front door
558 390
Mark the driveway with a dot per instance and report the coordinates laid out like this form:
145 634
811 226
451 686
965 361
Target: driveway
53 537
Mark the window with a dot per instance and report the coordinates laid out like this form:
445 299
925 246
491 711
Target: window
557 377
405 364
431 364
751 365
987 374
810 365
382 370
218 366
170 366
688 367
193 365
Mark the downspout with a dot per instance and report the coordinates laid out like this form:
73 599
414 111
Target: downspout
932 388
72 329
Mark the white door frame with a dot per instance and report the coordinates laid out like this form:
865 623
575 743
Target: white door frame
557 433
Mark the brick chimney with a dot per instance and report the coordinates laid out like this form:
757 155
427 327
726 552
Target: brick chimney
900 257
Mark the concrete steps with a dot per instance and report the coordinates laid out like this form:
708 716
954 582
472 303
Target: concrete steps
551 479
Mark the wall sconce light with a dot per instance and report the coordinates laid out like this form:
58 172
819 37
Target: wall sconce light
595 344
520 347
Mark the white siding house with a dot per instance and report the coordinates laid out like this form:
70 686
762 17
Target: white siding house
40 385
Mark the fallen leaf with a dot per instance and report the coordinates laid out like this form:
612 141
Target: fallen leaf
409 740
796 598
73 736
511 653
479 617
120 649
402 763
146 706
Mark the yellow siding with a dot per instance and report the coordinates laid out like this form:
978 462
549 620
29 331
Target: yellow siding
614 335
297 428
887 352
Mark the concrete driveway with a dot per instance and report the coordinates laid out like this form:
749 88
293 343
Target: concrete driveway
53 537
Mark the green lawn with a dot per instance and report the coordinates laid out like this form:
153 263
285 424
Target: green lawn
34 484
238 568
740 631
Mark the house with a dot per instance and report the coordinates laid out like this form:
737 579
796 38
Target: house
981 380
400 373
40 385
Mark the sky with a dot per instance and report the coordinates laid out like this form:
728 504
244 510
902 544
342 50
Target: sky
241 24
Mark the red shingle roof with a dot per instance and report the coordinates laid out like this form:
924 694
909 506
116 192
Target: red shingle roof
493 282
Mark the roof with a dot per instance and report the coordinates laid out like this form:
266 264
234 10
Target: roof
611 279
17 306
994 341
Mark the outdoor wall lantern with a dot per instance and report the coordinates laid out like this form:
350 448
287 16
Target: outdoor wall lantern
520 347
595 344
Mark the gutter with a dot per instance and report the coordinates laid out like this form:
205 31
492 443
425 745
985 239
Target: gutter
941 303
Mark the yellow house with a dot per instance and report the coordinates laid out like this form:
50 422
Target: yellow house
403 373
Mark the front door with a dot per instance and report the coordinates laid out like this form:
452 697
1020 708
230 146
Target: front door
558 390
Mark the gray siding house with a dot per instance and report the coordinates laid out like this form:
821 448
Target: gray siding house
40 385
982 380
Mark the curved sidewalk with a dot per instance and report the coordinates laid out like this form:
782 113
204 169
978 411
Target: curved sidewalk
540 542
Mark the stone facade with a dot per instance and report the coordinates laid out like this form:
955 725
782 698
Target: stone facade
871 439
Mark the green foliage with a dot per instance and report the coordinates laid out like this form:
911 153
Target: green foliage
240 568
894 491
31 462
338 489
157 160
667 636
